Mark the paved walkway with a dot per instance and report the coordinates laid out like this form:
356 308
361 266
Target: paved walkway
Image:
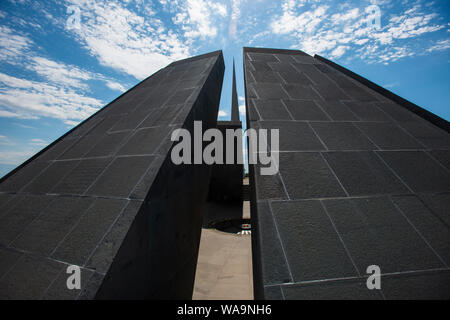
224 268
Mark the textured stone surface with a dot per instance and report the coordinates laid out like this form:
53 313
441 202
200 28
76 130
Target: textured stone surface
362 180
72 201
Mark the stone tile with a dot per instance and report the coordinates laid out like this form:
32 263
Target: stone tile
144 141
333 290
58 289
108 145
367 111
267 91
338 111
263 73
429 135
39 274
306 175
430 178
57 149
363 173
388 136
312 246
273 293
430 226
82 240
8 258
417 286
161 116
268 186
81 147
438 204
399 113
342 136
108 248
271 110
331 92
312 73
294 135
376 233
274 265
305 110
443 156
180 97
124 172
16 219
82 176
47 230
23 176
262 57
301 92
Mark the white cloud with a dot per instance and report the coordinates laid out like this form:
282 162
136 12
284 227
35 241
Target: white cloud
135 44
242 109
440 46
115 86
327 30
12 45
16 157
222 113
38 142
31 99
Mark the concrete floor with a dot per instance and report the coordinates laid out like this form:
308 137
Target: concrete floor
224 267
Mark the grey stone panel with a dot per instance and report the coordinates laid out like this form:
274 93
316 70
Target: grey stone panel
301 92
423 286
108 145
428 134
144 141
367 111
434 231
266 91
376 233
374 160
271 110
306 175
443 156
313 249
431 177
338 111
124 172
51 176
13 223
39 272
23 177
333 290
293 136
364 173
342 136
45 232
438 204
81 177
274 265
388 136
305 110
80 243
102 163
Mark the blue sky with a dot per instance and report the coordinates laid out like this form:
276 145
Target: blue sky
56 69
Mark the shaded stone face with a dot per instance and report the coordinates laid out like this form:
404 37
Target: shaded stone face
362 181
107 198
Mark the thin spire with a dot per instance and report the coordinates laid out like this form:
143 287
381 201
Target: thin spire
234 99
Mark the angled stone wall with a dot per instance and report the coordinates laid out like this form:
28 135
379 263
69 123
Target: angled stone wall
362 181
107 197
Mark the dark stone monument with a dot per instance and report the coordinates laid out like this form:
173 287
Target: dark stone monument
225 189
107 197
364 180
